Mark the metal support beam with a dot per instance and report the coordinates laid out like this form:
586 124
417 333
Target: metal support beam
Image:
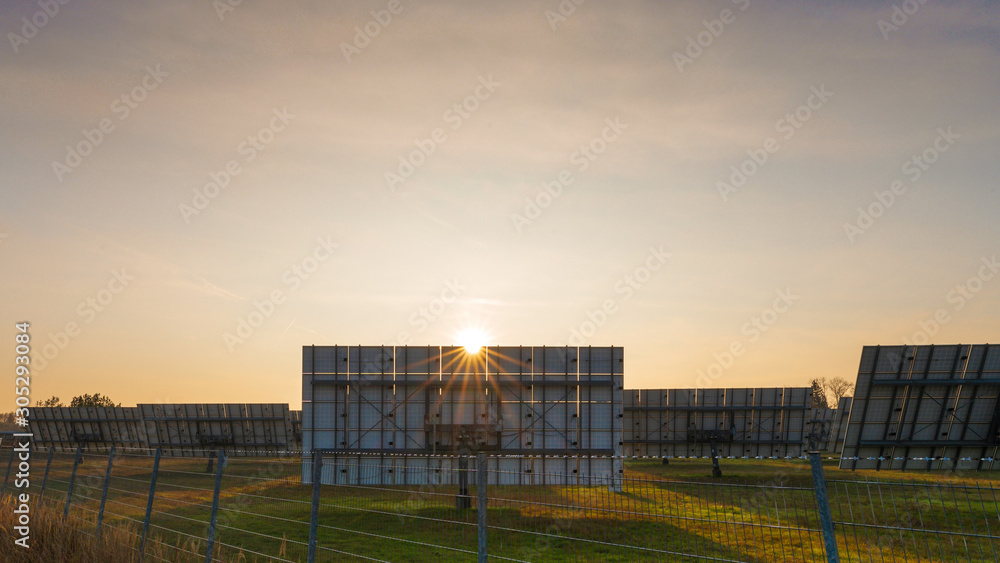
716 470
463 501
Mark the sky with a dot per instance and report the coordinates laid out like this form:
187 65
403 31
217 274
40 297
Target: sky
740 193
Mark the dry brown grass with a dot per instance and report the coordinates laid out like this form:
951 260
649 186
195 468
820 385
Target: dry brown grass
52 540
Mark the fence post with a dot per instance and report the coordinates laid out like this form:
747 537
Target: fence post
72 477
481 481
7 476
104 492
215 506
823 503
41 494
149 504
314 517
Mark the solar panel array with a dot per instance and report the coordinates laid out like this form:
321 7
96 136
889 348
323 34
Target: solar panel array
91 428
925 407
754 422
180 429
563 403
240 429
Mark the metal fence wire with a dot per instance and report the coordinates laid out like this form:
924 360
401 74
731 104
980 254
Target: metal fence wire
320 506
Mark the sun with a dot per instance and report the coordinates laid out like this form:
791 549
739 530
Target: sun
472 339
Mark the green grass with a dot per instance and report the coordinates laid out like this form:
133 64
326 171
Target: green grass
760 510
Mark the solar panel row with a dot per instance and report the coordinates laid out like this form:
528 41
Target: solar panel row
181 429
751 422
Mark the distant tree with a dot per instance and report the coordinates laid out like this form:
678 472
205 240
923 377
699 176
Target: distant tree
819 394
52 401
95 400
832 390
838 388
7 422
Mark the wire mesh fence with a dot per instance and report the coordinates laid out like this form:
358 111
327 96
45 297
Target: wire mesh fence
894 521
384 508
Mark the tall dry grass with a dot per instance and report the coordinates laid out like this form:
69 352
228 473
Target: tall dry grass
51 540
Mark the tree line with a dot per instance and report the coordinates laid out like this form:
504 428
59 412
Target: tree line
85 400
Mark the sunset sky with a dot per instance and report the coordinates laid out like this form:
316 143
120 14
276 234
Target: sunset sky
684 179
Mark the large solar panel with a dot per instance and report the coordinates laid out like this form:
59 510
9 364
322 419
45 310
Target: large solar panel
430 402
752 423
925 407
91 428
239 429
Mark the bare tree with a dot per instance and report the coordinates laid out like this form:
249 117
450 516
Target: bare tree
838 388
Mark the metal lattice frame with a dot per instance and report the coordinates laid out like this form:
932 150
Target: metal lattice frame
925 407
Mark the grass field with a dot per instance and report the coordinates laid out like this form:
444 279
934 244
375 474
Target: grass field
760 510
